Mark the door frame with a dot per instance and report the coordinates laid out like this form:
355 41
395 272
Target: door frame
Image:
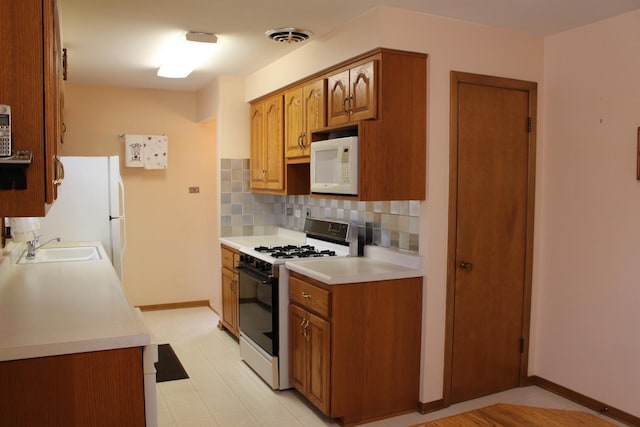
456 78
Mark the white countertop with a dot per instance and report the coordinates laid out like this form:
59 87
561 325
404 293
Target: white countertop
65 307
338 271
370 268
377 264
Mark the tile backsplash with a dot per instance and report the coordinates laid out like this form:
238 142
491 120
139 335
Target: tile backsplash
396 224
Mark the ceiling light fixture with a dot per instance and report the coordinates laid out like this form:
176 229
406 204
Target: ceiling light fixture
188 53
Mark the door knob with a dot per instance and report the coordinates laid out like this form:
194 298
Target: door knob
466 265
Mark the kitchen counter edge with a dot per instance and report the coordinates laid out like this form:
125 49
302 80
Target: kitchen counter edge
129 331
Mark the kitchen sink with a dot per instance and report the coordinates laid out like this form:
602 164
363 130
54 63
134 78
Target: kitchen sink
62 254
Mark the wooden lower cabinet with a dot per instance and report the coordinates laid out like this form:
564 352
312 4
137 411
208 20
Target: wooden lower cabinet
310 354
355 348
102 388
229 283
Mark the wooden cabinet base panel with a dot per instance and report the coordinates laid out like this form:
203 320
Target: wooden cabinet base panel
103 388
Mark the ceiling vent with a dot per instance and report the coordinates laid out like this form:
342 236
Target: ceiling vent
288 35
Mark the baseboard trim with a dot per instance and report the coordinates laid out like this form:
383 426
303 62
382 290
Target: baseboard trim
586 401
426 407
174 305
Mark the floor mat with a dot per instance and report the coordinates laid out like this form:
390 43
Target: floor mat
168 366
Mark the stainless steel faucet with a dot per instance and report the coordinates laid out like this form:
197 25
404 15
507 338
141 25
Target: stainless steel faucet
32 246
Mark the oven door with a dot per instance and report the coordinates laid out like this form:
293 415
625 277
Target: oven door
258 308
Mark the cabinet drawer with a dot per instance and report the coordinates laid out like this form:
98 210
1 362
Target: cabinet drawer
309 296
229 259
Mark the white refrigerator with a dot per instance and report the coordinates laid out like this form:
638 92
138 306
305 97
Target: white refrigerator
90 206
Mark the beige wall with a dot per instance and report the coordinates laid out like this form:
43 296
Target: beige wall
587 283
451 45
224 100
172 235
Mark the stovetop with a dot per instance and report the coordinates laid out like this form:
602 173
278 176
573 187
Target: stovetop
324 238
292 251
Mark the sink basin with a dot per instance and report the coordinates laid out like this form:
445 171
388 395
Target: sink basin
62 254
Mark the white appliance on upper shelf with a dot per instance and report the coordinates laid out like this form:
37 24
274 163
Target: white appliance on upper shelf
334 166
90 206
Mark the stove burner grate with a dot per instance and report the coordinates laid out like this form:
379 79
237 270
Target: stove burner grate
292 251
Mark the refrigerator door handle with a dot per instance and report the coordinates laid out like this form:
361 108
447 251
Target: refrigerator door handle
123 244
121 195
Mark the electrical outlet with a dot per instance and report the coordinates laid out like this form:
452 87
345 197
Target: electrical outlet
289 211
194 190
297 213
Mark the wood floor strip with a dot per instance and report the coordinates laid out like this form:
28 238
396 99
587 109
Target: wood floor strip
506 415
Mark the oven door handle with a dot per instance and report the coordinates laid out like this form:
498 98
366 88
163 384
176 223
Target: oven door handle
263 278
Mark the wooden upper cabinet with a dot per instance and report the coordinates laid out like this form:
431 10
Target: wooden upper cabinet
352 95
267 153
315 109
305 111
30 83
294 123
381 96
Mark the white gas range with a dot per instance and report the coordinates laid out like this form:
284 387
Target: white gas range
264 295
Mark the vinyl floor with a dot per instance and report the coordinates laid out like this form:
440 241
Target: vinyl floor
223 392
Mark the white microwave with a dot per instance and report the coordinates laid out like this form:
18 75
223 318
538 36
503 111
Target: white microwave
334 166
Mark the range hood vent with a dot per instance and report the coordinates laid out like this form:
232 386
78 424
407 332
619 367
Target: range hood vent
288 35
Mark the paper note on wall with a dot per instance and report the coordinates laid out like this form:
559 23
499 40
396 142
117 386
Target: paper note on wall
156 152
148 151
133 151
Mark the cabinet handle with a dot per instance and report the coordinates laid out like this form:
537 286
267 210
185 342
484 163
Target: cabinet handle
305 323
306 295
59 175
264 174
300 142
346 101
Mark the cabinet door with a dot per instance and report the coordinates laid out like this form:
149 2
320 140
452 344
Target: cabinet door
297 349
235 308
267 151
257 165
229 300
293 123
363 93
274 150
30 44
315 111
53 96
318 332
338 94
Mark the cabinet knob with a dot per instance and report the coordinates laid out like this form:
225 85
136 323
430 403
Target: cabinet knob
346 104
467 266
